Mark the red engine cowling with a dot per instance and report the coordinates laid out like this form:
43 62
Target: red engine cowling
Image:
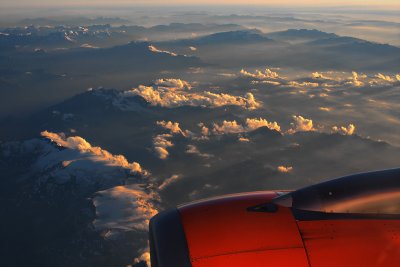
236 230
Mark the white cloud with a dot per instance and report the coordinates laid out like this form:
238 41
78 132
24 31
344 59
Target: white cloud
154 49
354 80
145 256
88 153
161 152
177 84
161 143
230 127
275 83
285 169
176 96
327 109
301 124
386 78
253 124
205 131
319 75
349 130
167 182
173 127
89 46
192 149
124 208
261 75
119 208
303 84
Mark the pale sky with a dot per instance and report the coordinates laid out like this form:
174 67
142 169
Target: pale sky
38 3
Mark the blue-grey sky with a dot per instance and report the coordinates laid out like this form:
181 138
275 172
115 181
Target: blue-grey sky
38 3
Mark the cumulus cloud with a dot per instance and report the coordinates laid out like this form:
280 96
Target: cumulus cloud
319 75
253 124
192 149
349 130
173 83
303 84
126 200
161 152
354 80
88 152
173 93
167 182
275 83
144 257
89 46
161 142
243 139
228 127
285 169
154 49
301 124
173 127
261 75
381 79
205 131
124 208
231 127
386 78
325 109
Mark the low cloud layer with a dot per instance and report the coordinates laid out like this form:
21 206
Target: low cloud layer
124 208
349 130
285 169
321 79
229 127
175 93
161 142
154 49
301 124
88 153
261 75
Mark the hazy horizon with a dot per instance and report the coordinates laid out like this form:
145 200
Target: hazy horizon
277 3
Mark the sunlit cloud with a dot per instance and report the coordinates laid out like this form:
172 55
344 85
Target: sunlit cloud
192 149
154 49
92 153
167 182
174 93
232 127
301 124
124 208
261 75
161 142
253 124
303 84
173 127
285 169
349 130
354 80
386 78
327 109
